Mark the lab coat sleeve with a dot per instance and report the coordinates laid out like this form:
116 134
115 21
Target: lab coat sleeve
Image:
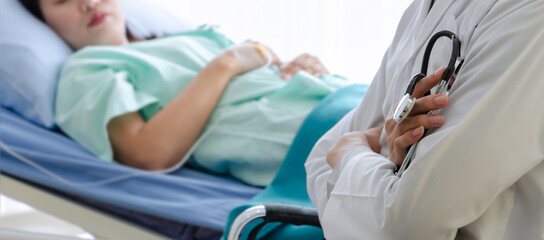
368 115
494 137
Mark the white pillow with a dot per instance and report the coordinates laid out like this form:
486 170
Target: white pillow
31 54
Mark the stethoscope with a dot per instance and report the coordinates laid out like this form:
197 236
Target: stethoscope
407 102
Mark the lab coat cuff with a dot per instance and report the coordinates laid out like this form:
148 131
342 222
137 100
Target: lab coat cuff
337 170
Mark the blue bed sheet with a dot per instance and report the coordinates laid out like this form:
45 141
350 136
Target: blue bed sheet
186 196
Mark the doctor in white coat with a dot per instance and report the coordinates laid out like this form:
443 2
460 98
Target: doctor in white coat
480 174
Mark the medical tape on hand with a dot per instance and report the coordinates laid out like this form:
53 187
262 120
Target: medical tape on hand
264 52
251 55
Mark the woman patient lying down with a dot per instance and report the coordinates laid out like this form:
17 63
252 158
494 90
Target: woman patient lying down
146 103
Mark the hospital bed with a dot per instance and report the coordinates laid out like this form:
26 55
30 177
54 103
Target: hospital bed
113 201
67 181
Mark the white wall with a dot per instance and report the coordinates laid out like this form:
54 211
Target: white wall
350 36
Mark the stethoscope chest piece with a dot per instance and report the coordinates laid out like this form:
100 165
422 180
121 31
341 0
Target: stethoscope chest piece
407 102
403 108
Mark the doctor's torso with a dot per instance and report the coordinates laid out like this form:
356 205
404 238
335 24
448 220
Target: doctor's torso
493 49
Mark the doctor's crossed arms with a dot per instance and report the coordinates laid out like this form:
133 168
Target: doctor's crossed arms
399 135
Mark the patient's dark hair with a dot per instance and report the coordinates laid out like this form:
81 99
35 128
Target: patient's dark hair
33 6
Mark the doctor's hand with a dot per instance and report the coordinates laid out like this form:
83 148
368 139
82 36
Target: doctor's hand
369 138
305 62
401 136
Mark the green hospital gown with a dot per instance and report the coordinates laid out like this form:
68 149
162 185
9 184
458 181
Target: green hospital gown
247 135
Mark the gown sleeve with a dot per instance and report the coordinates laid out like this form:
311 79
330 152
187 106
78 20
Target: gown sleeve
90 94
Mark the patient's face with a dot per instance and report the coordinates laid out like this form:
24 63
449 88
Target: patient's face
86 22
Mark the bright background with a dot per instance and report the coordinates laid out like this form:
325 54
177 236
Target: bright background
349 36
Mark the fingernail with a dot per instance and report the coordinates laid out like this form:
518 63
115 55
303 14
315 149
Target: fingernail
436 120
418 131
441 100
436 72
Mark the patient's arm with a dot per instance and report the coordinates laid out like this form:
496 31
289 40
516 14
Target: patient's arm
165 138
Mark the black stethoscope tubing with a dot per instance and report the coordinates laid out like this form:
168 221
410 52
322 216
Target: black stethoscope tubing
455 53
403 110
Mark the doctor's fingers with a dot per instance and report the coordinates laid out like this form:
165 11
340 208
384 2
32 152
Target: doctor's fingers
425 120
427 83
429 103
395 130
402 142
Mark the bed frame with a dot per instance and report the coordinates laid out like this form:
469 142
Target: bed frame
98 223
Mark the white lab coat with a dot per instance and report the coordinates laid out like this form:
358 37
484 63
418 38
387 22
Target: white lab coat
481 174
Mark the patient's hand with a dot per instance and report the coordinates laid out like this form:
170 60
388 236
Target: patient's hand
305 62
369 138
401 136
248 56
